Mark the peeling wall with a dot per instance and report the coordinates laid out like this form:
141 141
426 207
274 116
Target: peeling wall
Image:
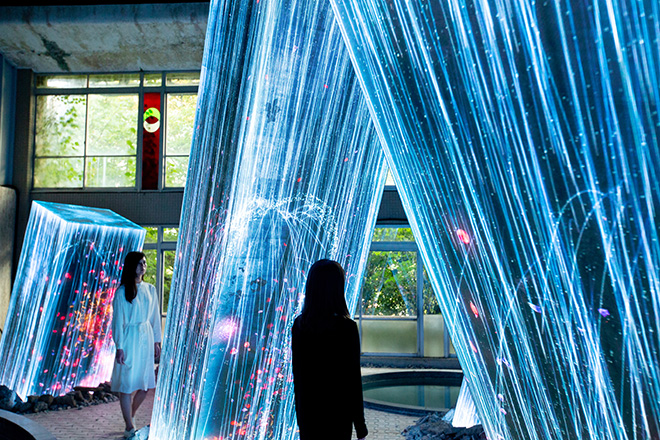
104 38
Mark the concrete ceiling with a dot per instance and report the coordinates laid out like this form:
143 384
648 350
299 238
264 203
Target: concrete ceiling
90 38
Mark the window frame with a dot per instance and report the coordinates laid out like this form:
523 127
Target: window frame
161 246
164 89
403 246
162 160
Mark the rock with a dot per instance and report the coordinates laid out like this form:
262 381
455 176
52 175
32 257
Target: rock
40 406
78 398
22 407
46 398
78 395
66 400
86 392
6 392
6 404
433 427
7 398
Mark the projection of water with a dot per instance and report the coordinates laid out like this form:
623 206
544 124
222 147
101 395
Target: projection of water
57 334
523 138
285 169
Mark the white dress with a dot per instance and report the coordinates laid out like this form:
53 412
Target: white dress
135 329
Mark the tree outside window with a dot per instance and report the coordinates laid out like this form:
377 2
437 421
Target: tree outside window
180 125
85 140
89 139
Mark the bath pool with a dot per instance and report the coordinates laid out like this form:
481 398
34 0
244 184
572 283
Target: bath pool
415 393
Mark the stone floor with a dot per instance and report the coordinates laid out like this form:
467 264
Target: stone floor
104 422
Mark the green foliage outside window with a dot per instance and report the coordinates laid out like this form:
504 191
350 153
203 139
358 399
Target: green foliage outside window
60 139
150 276
88 140
58 172
112 125
390 280
168 271
170 234
180 126
390 285
60 127
176 170
393 234
152 235
161 252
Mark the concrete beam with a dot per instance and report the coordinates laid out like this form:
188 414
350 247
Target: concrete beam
104 38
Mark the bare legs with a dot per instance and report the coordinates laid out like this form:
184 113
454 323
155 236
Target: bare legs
129 404
138 398
125 405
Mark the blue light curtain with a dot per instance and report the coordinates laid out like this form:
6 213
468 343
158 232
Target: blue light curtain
523 138
285 169
57 334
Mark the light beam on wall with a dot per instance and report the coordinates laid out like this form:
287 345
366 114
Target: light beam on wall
57 334
523 138
285 169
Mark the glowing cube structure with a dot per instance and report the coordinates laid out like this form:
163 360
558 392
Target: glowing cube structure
57 334
285 169
524 140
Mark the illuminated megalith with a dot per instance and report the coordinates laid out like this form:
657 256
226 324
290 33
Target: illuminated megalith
285 169
57 334
524 140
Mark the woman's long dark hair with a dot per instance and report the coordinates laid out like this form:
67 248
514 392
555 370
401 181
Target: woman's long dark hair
324 294
128 274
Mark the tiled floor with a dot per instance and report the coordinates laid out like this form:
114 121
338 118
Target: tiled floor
104 422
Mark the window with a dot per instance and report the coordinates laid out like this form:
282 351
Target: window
104 131
160 249
181 114
399 313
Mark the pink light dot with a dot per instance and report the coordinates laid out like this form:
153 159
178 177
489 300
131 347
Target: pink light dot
474 309
463 236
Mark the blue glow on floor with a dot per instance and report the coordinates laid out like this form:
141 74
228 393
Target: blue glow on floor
57 333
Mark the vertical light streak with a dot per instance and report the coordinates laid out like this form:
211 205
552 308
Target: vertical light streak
465 414
533 128
58 324
285 169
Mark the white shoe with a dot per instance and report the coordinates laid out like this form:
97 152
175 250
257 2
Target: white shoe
130 434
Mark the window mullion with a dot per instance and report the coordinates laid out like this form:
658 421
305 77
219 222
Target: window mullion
140 133
161 140
419 279
84 176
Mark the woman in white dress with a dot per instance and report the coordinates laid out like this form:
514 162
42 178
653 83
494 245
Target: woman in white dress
137 336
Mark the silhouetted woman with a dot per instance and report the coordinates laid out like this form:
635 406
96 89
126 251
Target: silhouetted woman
136 333
326 360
